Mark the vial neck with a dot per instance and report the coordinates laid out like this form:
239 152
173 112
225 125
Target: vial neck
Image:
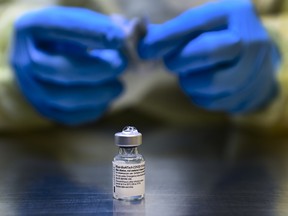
128 150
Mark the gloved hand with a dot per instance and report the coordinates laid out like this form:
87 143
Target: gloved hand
67 62
222 54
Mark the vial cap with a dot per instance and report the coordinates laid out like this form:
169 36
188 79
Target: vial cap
129 137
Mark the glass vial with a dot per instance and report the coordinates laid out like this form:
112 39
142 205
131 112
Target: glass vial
128 166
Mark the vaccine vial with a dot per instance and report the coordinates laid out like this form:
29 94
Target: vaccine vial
128 166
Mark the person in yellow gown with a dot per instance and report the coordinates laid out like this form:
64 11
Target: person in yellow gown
73 71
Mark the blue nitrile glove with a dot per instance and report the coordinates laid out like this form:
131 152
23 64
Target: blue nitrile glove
67 62
222 54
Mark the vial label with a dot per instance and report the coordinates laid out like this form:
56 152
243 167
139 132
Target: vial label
128 179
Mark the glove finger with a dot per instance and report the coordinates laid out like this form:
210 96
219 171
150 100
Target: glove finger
251 96
262 90
80 98
223 80
77 25
60 47
164 38
246 100
99 66
68 98
205 51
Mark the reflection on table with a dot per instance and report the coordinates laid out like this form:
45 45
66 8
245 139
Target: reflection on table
204 171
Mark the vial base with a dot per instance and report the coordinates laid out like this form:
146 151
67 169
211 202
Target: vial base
130 198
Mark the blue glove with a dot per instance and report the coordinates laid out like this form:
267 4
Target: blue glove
67 62
222 54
